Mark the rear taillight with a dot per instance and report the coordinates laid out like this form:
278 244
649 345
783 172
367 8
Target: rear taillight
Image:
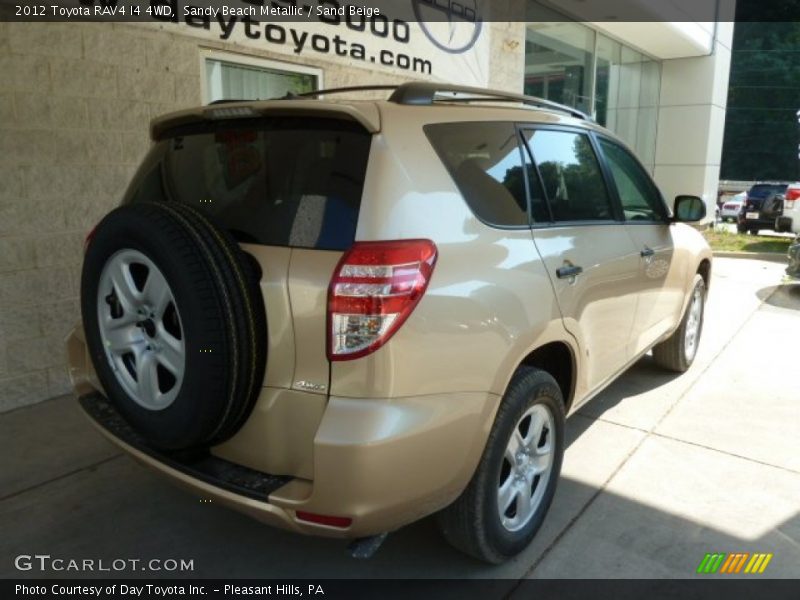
791 195
374 289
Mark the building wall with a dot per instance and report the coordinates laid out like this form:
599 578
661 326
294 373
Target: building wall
74 110
691 121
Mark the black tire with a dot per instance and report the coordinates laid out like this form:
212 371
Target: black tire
222 321
741 228
472 523
753 231
671 353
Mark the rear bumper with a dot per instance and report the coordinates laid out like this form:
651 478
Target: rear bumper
409 460
764 220
381 462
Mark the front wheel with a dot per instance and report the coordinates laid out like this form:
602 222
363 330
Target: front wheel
677 352
504 505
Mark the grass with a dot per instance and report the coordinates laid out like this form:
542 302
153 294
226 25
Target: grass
742 242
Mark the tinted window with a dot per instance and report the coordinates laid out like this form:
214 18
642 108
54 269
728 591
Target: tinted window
571 175
281 182
763 190
484 160
637 193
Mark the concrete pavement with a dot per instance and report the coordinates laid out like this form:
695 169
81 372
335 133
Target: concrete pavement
659 470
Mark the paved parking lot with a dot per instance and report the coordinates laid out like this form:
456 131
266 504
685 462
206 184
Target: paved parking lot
659 470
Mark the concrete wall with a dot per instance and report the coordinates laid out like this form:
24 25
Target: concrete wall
74 109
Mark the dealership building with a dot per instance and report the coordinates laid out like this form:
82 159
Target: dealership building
77 97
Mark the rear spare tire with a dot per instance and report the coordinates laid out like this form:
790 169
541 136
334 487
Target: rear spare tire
174 323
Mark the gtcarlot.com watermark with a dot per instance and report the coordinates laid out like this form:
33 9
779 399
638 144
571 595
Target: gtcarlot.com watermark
48 563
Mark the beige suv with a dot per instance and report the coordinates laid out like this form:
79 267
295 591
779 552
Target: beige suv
340 316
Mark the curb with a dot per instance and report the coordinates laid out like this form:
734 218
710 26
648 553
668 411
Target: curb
769 256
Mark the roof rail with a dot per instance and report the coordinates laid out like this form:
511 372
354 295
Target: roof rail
341 90
225 101
423 93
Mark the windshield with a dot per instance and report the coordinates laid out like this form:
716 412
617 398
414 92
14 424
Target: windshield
763 191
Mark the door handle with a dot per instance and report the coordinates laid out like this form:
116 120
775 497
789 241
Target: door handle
568 271
647 252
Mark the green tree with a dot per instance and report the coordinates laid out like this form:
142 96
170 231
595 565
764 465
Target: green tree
761 129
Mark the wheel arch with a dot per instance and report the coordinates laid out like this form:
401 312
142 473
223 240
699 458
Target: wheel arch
558 359
704 270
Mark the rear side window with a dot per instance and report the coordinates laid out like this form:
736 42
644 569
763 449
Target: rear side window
279 182
573 183
484 160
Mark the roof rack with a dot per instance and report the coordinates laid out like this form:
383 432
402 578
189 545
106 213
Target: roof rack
225 101
341 90
422 93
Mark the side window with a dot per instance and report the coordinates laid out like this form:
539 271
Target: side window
484 160
637 193
573 183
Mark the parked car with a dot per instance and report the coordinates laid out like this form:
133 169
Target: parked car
793 269
763 206
731 207
342 316
789 221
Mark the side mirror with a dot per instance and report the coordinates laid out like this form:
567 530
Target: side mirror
689 209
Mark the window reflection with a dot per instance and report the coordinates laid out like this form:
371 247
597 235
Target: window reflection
572 64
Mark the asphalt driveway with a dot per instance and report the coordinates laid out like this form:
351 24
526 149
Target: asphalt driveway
659 471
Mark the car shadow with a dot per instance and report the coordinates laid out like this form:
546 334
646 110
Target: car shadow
786 295
645 375
124 511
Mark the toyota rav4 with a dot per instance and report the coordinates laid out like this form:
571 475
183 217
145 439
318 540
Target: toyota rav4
340 316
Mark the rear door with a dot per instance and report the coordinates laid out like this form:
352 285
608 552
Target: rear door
289 190
592 262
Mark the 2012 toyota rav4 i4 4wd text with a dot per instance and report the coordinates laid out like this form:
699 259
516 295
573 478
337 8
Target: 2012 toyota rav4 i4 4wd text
340 316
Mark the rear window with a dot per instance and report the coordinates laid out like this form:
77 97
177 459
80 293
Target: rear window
484 160
280 182
763 191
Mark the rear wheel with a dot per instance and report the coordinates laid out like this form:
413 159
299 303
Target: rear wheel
505 503
677 352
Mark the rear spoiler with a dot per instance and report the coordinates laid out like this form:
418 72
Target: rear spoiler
364 113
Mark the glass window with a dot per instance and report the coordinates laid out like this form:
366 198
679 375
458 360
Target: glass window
572 64
574 185
627 87
639 196
484 160
233 81
558 63
285 181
